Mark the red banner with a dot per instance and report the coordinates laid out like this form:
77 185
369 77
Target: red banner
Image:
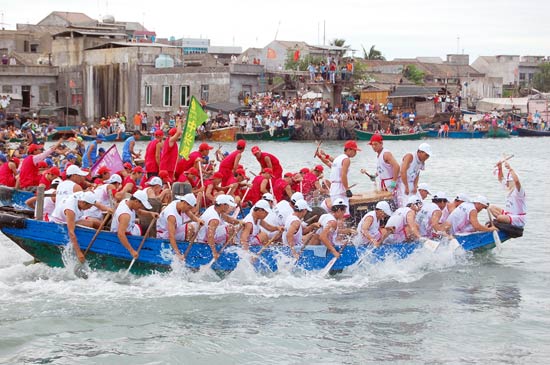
111 159
271 54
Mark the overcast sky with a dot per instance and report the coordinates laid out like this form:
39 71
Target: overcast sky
398 28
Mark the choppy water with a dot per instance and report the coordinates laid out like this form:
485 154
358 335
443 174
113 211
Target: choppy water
450 308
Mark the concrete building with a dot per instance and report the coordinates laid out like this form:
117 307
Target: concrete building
503 66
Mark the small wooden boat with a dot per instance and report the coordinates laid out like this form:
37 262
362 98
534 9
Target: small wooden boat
434 133
227 134
46 241
62 132
265 135
108 138
366 136
14 197
524 132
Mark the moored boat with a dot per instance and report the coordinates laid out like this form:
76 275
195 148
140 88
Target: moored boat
227 134
265 135
434 133
498 132
46 241
366 136
524 132
14 197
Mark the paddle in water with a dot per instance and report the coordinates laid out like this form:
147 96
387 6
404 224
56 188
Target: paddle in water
79 269
141 244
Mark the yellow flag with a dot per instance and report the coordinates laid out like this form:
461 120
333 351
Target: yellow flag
195 117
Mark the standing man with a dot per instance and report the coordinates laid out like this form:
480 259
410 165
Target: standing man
515 208
169 153
90 155
339 187
152 154
411 166
267 160
387 168
230 164
128 153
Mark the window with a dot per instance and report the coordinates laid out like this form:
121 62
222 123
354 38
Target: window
204 92
7 89
522 76
34 48
148 94
167 95
185 98
43 94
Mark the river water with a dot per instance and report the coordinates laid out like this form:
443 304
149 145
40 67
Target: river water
448 308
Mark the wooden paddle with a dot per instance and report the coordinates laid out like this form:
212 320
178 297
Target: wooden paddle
317 149
191 241
142 242
326 270
78 269
496 238
209 265
266 245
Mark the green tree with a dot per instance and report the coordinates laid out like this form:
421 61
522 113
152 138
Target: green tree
372 54
412 73
338 43
302 63
541 80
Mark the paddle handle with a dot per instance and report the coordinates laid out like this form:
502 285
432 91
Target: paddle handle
141 243
97 233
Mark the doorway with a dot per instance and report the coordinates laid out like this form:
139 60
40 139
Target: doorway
26 96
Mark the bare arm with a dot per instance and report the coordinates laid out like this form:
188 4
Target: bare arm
478 226
245 234
172 236
331 227
388 158
407 159
71 225
123 222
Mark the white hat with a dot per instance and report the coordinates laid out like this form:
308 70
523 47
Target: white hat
385 207
115 178
462 197
188 198
225 199
141 195
75 170
481 200
263 204
268 197
57 180
155 181
296 196
413 199
339 201
301 205
424 147
424 186
87 197
440 195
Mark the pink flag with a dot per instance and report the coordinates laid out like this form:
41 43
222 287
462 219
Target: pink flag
111 159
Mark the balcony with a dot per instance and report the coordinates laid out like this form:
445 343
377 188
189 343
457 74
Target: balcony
16 70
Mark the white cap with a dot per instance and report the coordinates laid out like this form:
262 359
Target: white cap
481 200
385 207
413 199
87 197
440 195
141 195
462 197
297 196
263 204
188 198
226 199
57 180
115 178
155 181
268 197
339 201
75 170
424 147
301 205
424 186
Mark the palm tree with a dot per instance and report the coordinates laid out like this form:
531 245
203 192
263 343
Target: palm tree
339 43
373 54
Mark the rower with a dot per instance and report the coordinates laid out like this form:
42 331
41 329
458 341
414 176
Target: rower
194 159
260 185
369 226
71 213
267 160
282 187
130 183
152 154
90 155
339 187
128 153
282 210
410 169
73 183
177 222
329 223
104 194
230 164
387 167
515 207
293 233
429 217
402 224
251 233
124 218
464 219
423 191
451 206
155 190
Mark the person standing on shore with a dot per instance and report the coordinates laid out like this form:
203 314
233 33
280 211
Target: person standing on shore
339 187
387 168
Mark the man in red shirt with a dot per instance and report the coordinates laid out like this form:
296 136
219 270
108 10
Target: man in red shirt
195 158
230 164
29 174
152 154
267 160
169 153
282 189
260 185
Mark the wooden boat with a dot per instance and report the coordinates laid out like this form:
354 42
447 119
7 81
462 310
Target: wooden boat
265 135
524 132
433 133
366 136
14 197
45 241
108 138
227 134
62 132
498 132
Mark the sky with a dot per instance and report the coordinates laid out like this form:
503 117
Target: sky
398 28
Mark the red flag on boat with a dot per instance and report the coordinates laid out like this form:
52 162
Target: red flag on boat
110 159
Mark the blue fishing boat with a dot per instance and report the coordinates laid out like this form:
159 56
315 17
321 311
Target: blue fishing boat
46 241
434 133
14 197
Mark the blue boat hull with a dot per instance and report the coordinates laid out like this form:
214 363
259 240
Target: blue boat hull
14 197
46 241
432 133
